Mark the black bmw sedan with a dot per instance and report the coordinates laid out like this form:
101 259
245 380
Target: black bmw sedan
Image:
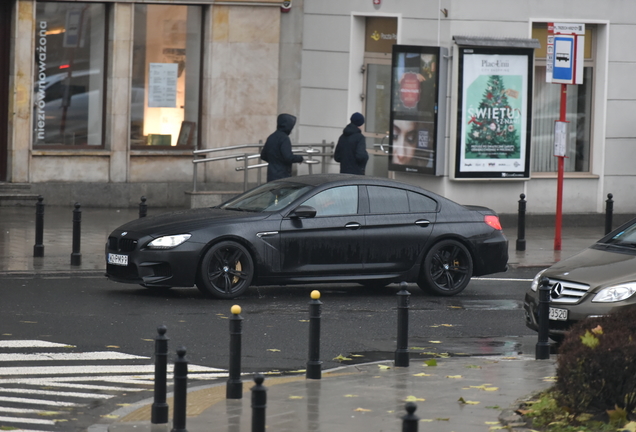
313 229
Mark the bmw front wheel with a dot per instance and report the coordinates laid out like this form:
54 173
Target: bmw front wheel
447 269
226 271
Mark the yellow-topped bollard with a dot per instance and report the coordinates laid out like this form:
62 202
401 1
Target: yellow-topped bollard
236 309
315 295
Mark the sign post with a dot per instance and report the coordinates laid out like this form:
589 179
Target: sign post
565 67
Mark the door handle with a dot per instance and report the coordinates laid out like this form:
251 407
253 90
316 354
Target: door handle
422 223
352 225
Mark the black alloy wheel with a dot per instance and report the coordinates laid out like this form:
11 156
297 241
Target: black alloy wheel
447 269
226 271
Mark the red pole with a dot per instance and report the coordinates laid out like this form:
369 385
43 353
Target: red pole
559 203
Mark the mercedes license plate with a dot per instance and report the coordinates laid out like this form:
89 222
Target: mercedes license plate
121 260
558 314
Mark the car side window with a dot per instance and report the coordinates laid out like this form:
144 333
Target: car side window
335 201
384 200
421 203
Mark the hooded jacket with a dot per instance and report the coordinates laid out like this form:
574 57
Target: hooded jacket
351 151
277 150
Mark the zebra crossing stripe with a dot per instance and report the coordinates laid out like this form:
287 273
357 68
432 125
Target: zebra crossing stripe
108 369
55 393
38 402
28 411
32 344
103 355
58 383
26 421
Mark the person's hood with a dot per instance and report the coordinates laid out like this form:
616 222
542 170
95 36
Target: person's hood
285 123
350 129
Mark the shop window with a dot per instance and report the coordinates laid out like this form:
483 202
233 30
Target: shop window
546 106
165 76
69 74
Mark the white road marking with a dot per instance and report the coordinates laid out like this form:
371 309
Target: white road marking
55 393
26 420
38 401
29 411
56 383
502 279
100 355
60 370
31 344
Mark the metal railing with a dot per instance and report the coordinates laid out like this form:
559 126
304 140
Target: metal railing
247 152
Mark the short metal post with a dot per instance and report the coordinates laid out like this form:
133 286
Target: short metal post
159 413
410 421
38 248
314 364
76 256
143 207
521 224
609 209
542 350
259 404
180 391
402 351
323 150
234 387
245 170
194 176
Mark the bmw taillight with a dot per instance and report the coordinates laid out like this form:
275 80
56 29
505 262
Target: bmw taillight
493 221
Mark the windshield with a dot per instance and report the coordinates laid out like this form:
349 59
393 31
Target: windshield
267 197
626 238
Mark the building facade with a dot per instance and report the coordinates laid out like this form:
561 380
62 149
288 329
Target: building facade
106 101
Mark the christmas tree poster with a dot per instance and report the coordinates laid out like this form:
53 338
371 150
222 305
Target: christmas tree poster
494 113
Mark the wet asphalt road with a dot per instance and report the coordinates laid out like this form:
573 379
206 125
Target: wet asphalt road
96 314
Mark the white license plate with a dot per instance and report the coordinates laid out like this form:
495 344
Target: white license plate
117 259
558 314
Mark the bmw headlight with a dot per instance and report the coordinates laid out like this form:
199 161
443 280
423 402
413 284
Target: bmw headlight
535 281
615 293
168 242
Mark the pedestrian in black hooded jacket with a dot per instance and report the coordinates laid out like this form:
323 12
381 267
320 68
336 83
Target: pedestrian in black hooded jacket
277 150
351 150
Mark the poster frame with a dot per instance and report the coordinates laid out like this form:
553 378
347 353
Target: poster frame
435 126
462 127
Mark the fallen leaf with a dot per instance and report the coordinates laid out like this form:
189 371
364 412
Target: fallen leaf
456 307
299 371
467 402
123 405
48 413
524 412
112 346
454 376
362 410
448 325
182 321
473 367
500 428
303 320
442 419
495 407
491 423
384 367
421 374
357 355
295 397
510 358
224 317
434 326
417 348
341 358
431 362
413 399
350 396
631 427
273 350
550 379
110 416
220 314
426 420
434 341
148 340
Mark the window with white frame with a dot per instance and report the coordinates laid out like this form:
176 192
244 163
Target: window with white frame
546 109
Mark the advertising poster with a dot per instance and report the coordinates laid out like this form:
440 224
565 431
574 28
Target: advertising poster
414 109
495 108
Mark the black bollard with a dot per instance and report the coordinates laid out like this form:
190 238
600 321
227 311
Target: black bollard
234 387
542 350
410 421
609 209
314 364
76 256
159 413
38 248
143 207
180 391
402 351
521 224
259 403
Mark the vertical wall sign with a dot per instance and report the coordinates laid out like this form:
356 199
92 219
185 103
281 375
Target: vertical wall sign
495 108
414 109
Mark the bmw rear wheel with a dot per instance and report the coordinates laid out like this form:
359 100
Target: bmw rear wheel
226 271
447 269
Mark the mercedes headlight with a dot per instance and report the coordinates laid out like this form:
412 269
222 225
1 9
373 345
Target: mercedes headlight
615 293
168 242
535 281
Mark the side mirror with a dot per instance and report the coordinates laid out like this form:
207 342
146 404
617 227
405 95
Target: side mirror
303 212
